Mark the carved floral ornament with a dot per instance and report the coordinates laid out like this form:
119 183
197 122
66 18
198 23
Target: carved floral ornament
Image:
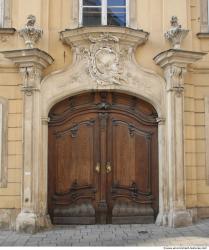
105 63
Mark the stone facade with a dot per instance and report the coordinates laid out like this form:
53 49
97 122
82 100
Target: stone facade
62 63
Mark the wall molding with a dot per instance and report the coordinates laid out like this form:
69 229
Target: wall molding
3 141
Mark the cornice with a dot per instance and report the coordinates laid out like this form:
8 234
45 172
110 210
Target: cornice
80 36
29 57
177 56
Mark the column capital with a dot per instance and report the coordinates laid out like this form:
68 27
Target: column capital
174 63
31 63
25 58
178 57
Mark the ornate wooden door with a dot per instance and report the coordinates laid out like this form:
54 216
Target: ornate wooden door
103 160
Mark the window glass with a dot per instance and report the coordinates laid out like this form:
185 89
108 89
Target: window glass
116 2
92 3
116 16
104 12
116 12
91 16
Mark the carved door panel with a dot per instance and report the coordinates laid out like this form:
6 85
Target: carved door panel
103 160
74 185
132 154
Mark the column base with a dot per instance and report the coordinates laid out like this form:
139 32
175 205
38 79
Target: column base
26 222
162 219
29 222
180 218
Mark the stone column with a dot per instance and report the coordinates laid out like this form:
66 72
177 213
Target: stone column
31 63
174 63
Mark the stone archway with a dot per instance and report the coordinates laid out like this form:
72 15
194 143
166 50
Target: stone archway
94 52
134 81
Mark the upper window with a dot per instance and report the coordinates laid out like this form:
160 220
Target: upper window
204 17
5 14
104 12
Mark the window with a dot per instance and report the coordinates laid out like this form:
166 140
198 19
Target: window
104 12
204 17
5 14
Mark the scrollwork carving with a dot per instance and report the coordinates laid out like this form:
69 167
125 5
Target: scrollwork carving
104 58
174 75
30 76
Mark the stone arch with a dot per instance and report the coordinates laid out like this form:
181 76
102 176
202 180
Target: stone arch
147 85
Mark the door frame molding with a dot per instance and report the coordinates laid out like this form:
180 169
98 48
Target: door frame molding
60 86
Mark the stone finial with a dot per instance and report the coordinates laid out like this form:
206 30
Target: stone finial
30 33
176 34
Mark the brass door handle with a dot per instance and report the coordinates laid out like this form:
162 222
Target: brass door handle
108 168
98 167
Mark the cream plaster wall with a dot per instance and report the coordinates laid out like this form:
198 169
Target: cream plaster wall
152 16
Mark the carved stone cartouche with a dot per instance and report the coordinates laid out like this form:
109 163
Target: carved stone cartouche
30 33
104 51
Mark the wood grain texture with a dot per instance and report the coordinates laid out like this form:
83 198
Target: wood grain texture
116 131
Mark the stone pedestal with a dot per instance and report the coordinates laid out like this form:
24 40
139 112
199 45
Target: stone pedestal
174 63
31 63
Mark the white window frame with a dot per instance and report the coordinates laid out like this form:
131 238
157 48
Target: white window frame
104 13
208 13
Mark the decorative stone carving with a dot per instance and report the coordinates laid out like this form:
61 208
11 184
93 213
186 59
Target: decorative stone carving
29 76
105 64
105 52
30 33
174 75
176 34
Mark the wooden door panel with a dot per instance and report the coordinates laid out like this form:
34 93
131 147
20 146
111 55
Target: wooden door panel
75 186
70 145
118 134
130 153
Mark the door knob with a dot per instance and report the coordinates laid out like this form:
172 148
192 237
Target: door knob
108 168
98 167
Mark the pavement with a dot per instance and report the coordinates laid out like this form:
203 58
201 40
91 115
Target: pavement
112 235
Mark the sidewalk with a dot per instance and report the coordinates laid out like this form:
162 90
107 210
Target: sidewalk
112 235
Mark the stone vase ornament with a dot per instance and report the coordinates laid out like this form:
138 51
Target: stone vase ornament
175 35
30 33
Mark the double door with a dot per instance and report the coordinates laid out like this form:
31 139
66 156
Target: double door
103 164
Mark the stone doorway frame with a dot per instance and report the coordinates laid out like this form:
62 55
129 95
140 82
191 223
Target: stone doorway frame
166 96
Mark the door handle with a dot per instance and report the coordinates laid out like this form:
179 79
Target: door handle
98 167
108 168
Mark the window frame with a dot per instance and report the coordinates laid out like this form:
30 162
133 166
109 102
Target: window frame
103 13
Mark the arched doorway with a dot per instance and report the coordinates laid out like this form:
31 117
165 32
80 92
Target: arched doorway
103 160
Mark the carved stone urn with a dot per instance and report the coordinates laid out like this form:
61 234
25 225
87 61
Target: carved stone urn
176 34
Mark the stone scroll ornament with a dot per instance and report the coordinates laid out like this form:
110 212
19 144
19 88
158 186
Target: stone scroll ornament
176 34
30 33
105 62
